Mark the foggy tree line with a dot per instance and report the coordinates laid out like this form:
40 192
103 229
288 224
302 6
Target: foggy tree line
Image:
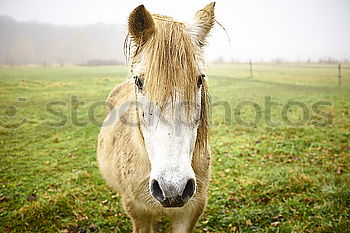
23 43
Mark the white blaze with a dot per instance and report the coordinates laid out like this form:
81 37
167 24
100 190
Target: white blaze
170 137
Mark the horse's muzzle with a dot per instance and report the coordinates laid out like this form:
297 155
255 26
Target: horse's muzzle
168 197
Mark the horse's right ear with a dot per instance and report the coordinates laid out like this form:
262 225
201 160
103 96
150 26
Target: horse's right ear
141 25
203 22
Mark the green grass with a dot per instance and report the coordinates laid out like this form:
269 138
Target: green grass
264 179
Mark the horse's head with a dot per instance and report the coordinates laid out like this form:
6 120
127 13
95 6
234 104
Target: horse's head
168 68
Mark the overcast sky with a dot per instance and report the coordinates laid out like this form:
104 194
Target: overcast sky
258 29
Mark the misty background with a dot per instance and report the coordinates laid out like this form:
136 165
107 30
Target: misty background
38 43
91 32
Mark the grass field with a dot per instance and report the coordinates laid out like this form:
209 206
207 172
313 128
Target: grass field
280 157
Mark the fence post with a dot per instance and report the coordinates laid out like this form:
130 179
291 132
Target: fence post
251 68
339 74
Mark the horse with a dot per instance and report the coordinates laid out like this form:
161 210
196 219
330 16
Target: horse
153 144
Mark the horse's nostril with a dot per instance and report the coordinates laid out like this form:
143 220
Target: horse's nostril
169 196
157 191
189 190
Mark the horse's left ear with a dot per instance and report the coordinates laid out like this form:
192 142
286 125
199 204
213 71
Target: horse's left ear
203 21
141 25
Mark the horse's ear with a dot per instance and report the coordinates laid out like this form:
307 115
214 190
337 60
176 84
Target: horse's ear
140 25
203 21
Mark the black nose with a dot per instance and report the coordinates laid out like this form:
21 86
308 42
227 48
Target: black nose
168 197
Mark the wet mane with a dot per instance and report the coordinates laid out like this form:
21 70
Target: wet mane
169 61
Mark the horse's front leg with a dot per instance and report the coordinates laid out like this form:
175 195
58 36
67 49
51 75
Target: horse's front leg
142 222
185 222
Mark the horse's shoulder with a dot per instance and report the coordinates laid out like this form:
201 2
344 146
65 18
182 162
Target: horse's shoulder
120 94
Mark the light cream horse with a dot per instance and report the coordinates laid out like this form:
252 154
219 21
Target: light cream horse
153 146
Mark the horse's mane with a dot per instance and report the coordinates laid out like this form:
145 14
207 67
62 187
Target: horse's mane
169 61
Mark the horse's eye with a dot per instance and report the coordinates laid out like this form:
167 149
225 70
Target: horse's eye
200 80
139 82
